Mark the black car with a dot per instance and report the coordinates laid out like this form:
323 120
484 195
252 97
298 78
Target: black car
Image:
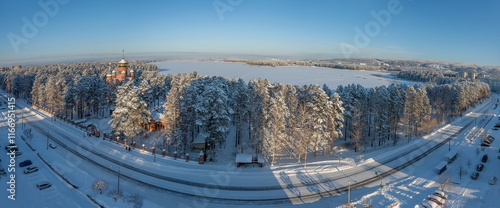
10 146
25 163
485 158
474 176
480 167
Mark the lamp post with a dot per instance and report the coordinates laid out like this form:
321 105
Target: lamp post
118 178
47 140
449 145
349 194
381 179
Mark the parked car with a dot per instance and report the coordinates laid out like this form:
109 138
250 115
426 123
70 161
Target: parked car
485 158
429 204
18 153
485 144
12 149
495 128
2 171
25 163
480 167
474 176
30 170
43 185
436 199
441 194
493 180
10 146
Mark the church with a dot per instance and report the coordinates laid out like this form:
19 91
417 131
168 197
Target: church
121 73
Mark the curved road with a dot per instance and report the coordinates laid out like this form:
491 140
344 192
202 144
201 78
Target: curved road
245 191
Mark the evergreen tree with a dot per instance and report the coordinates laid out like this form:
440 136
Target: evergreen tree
131 113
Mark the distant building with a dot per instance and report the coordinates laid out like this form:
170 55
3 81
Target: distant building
121 74
472 76
17 67
462 74
362 64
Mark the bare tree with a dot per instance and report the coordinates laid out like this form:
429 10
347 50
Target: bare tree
100 186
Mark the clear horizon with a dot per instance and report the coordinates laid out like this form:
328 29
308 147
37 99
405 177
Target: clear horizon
461 31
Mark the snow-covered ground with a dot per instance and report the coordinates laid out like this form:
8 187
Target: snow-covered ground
171 183
287 75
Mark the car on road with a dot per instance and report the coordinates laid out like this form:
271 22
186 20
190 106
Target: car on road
441 194
493 180
494 128
18 153
30 170
436 199
485 158
43 185
480 167
474 176
25 163
2 171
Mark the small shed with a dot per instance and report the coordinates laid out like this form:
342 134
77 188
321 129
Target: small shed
199 142
451 156
249 159
441 167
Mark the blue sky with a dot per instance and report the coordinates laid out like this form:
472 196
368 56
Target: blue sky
458 31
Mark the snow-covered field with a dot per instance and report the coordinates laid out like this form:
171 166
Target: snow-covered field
286 75
322 180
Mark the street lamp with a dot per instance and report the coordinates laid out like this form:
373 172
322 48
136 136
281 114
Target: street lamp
118 178
381 179
349 192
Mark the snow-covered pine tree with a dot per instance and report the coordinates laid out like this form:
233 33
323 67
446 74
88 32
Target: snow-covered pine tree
275 124
241 108
397 100
260 104
212 115
131 113
70 98
335 121
171 109
320 109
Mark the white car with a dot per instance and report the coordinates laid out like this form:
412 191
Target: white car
43 185
441 194
429 204
436 199
30 170
493 180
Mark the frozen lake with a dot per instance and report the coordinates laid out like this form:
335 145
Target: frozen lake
288 75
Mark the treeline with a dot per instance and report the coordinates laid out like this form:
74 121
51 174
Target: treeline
311 63
378 115
372 64
271 118
74 90
433 76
